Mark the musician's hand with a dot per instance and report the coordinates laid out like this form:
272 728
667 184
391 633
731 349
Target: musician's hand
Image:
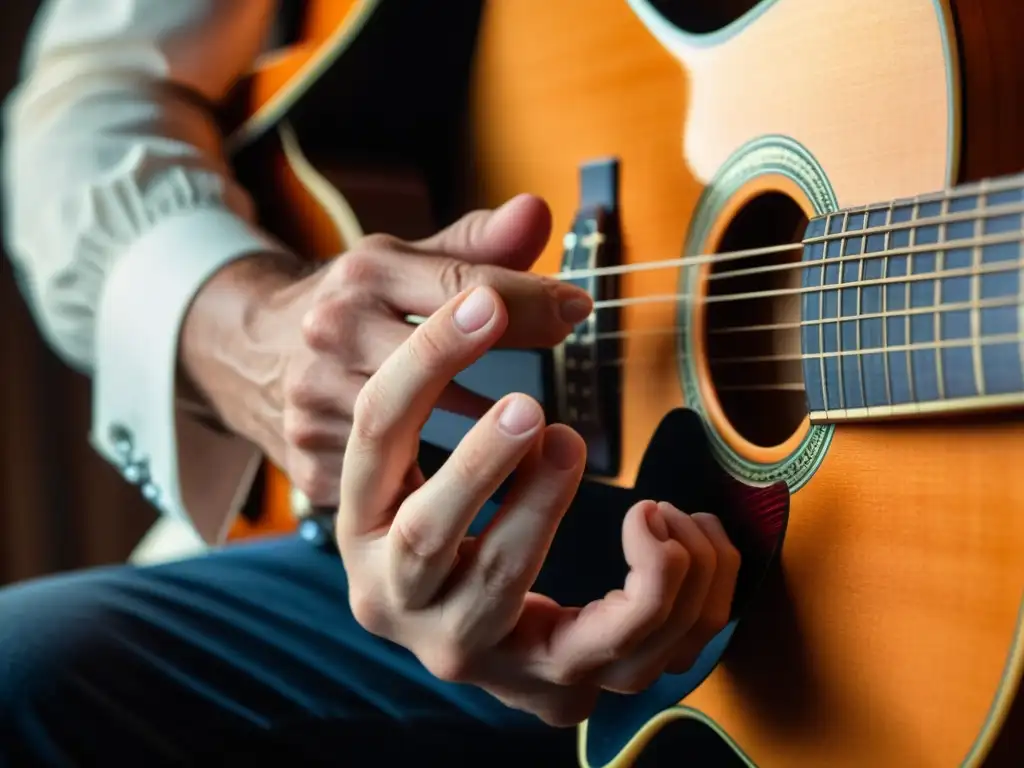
463 606
292 380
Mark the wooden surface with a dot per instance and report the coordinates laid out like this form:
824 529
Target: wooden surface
885 642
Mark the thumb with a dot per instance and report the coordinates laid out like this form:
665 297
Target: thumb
511 236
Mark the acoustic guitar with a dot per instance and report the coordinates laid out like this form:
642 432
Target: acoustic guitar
802 228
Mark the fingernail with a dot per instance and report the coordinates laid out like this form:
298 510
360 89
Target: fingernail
656 523
520 415
576 307
475 311
561 448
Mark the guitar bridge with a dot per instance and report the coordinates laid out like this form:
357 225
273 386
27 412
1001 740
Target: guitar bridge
587 371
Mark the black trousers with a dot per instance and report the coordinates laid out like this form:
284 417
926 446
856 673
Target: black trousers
250 654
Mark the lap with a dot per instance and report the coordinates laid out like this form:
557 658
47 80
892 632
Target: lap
253 648
251 644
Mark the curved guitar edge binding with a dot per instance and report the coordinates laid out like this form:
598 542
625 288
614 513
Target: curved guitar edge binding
634 748
269 110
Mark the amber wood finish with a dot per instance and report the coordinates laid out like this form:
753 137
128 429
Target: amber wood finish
297 215
887 638
890 636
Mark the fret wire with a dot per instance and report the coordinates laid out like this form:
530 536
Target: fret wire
1005 301
997 210
940 262
952 405
885 320
728 256
1000 266
839 311
1002 338
821 325
999 239
980 384
906 303
1006 338
860 312
1013 181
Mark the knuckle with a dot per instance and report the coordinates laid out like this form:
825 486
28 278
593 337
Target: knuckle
299 391
319 326
367 414
317 484
678 558
428 349
467 462
502 571
455 275
368 611
359 268
418 537
376 243
301 431
448 664
566 714
651 611
566 675
703 556
639 681
729 558
331 323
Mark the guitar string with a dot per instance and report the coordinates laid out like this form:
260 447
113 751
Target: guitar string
972 242
718 258
983 269
920 346
784 386
927 248
798 324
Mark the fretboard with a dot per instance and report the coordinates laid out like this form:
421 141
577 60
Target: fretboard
917 305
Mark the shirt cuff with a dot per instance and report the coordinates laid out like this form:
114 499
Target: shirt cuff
183 467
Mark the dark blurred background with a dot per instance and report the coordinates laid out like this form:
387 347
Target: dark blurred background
61 505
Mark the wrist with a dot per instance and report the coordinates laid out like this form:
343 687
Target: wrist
229 356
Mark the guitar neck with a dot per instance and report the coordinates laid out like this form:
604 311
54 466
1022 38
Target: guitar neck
916 306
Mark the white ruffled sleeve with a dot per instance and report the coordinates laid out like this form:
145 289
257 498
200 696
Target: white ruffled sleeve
119 206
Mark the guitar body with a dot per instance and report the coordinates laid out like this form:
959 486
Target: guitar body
891 634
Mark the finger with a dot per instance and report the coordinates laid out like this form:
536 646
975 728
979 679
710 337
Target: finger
398 399
431 523
608 629
316 474
323 386
486 603
314 431
376 345
465 402
718 602
642 667
558 706
542 311
511 236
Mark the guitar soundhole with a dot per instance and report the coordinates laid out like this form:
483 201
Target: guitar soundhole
753 342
